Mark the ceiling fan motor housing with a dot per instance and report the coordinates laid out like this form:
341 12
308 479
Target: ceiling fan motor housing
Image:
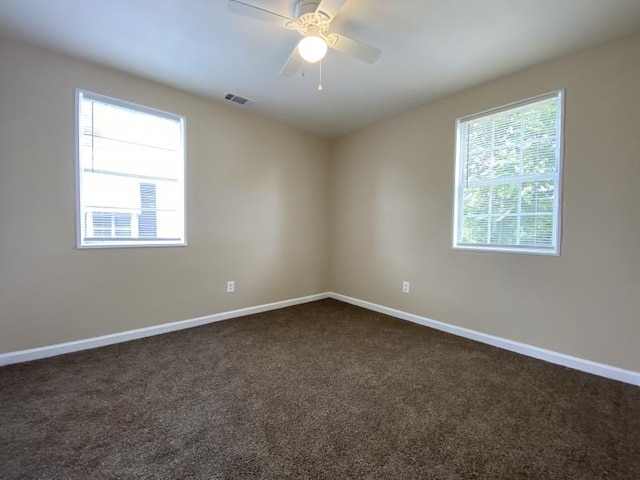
306 7
313 22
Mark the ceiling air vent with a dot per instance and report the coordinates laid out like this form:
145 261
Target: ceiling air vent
239 100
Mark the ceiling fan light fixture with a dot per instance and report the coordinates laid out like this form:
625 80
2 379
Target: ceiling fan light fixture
312 48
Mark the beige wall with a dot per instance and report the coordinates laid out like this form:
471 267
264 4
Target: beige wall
257 211
274 209
392 208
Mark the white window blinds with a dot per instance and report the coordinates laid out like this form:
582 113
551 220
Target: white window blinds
130 174
508 178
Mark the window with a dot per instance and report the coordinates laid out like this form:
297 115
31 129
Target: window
130 174
111 224
508 178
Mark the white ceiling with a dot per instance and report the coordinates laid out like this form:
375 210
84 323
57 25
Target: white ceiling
431 48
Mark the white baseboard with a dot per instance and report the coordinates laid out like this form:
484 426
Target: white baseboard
607 371
89 343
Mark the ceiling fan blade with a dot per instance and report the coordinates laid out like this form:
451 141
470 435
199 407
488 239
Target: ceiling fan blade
330 7
293 65
357 49
257 13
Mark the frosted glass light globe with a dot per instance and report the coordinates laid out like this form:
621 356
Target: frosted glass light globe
312 48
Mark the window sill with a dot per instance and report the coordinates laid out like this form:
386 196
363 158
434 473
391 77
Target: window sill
130 245
498 249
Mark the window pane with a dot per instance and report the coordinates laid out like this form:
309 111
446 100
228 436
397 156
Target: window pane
122 220
539 157
110 155
504 199
479 151
102 220
507 140
148 221
479 135
476 201
130 126
508 129
479 166
540 120
504 230
475 230
538 197
506 162
537 230
167 223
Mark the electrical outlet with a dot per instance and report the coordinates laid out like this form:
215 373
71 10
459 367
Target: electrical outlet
406 286
231 286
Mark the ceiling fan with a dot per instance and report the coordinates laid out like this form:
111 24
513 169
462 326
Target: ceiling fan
313 21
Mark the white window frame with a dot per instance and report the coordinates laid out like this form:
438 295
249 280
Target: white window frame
459 180
80 243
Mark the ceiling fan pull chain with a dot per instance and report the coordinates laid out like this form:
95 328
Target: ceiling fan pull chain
320 80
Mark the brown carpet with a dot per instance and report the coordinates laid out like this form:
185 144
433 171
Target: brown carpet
317 391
